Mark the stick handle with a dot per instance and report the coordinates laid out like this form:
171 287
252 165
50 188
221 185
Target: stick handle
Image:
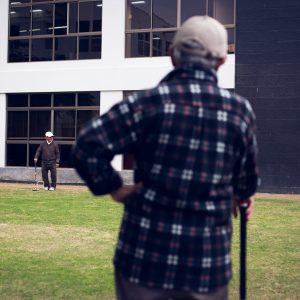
243 252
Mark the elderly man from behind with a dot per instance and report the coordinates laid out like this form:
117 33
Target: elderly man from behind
195 150
50 156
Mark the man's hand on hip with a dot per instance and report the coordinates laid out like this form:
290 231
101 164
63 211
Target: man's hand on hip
123 192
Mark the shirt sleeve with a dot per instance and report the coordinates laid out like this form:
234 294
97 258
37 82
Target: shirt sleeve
104 137
245 176
57 153
38 152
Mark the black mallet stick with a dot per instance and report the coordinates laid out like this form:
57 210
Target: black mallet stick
243 251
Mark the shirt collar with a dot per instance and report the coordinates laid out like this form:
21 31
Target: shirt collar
193 72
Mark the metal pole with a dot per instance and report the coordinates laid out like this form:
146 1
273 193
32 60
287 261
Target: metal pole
243 252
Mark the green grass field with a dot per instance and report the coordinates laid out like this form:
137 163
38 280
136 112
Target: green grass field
59 245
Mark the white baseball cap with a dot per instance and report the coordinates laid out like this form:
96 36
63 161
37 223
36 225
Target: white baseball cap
49 134
202 35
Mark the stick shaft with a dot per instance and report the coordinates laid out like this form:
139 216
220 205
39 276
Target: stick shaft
243 253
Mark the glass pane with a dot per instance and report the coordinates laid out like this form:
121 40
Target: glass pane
138 14
17 2
65 48
17 100
90 16
17 124
19 21
18 51
191 8
40 100
73 17
162 42
210 8
90 47
32 150
61 18
138 44
16 155
83 116
89 99
65 155
231 40
40 122
42 19
225 11
64 99
164 13
64 124
41 49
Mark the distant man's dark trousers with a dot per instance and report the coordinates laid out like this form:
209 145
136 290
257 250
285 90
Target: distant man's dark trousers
46 167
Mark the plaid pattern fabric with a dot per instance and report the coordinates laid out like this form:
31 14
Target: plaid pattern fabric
195 147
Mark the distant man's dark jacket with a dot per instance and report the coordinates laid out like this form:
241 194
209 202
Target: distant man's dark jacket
48 152
195 148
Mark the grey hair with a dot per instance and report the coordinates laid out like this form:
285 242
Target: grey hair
192 52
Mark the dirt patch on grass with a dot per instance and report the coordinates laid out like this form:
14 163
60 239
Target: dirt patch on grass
55 238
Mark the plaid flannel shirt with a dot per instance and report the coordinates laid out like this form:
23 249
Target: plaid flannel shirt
195 148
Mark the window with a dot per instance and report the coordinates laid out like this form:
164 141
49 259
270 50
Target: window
48 30
29 116
152 24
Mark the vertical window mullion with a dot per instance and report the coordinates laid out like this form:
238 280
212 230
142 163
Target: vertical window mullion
178 13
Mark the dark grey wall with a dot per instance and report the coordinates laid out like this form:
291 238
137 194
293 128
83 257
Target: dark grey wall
268 74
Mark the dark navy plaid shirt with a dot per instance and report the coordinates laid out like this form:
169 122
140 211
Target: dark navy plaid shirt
195 147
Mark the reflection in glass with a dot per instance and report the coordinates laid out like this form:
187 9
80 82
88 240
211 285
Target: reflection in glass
65 156
61 18
64 99
138 14
32 150
138 44
18 50
17 2
161 43
90 16
210 8
64 124
42 19
65 48
225 11
84 116
73 17
17 124
39 123
231 40
19 21
89 47
16 154
40 100
164 13
41 49
89 99
191 8
17 100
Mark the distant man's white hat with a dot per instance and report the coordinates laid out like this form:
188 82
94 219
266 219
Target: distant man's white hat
202 35
49 134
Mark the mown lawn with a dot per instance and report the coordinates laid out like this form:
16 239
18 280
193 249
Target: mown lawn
59 245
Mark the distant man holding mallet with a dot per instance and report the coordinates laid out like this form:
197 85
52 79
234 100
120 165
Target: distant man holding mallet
195 149
50 156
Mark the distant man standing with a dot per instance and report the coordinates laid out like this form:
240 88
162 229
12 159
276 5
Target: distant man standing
195 149
50 156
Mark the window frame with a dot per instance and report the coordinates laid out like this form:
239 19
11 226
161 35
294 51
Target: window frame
152 31
37 140
53 35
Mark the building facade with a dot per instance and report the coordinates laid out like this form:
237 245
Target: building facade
64 61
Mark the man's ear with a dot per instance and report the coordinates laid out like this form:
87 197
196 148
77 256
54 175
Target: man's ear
220 62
